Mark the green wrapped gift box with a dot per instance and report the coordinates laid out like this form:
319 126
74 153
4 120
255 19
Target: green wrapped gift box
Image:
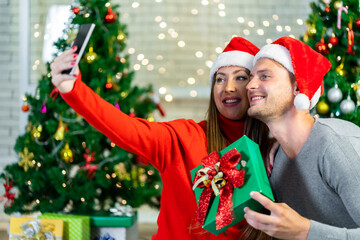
113 221
76 227
255 180
118 227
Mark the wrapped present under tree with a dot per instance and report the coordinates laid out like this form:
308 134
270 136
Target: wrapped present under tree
75 226
121 227
33 228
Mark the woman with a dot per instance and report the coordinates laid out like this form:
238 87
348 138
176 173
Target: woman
174 147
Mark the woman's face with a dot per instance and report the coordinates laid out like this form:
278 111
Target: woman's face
230 93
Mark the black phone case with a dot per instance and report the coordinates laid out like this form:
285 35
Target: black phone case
81 41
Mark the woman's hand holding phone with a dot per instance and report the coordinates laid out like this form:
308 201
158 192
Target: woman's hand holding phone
64 82
64 68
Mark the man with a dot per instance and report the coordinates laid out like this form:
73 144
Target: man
316 172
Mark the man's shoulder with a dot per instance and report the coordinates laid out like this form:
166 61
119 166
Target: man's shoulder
338 127
339 135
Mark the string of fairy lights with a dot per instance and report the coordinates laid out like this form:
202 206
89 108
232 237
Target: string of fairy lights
168 29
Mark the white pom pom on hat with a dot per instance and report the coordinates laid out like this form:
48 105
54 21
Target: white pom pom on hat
239 52
302 102
308 66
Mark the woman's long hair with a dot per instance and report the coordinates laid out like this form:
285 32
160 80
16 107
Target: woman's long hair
255 130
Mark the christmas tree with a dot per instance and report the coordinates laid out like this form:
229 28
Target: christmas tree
66 165
334 31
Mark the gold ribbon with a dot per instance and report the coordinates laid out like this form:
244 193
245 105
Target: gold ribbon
37 236
217 181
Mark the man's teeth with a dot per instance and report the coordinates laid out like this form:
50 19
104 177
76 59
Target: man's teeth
256 98
231 100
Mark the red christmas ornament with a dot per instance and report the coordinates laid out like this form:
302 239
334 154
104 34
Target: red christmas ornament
110 16
321 47
108 85
25 108
333 40
327 9
76 10
357 23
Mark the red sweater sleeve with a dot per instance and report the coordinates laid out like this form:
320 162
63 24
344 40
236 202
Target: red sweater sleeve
156 142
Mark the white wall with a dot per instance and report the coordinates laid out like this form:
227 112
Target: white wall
9 84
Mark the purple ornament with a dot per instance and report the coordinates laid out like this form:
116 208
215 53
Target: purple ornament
43 108
117 105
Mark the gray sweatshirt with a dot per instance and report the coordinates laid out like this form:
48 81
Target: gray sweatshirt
322 183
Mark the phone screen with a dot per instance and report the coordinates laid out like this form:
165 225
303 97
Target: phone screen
81 41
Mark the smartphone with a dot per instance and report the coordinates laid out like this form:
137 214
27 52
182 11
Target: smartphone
81 41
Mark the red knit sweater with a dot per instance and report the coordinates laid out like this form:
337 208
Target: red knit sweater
174 148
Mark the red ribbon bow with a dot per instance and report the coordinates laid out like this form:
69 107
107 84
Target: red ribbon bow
88 167
234 178
8 197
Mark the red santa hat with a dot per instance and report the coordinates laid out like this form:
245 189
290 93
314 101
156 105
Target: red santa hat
239 52
308 66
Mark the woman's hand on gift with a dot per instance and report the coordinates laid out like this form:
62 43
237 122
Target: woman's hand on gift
272 153
66 60
283 222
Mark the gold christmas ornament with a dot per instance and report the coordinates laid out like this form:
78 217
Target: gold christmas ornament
311 31
322 107
337 4
120 37
66 154
59 134
124 94
340 69
121 173
150 118
91 56
36 132
26 159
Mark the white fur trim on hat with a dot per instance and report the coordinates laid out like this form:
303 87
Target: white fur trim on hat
231 58
278 53
315 98
302 102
